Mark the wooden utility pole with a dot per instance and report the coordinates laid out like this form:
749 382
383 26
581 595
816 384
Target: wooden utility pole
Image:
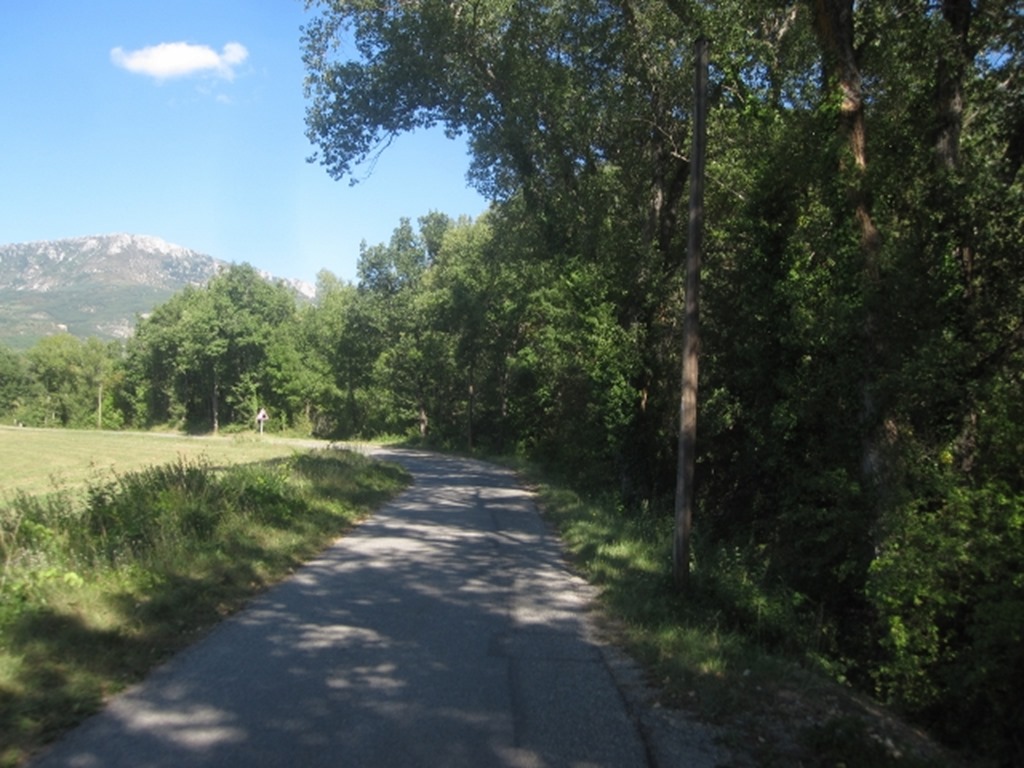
691 328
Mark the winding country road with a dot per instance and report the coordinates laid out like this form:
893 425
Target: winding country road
443 631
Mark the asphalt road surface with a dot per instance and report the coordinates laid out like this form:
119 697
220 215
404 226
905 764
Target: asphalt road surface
443 631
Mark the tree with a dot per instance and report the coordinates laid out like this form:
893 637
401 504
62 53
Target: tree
15 384
476 294
98 370
202 357
410 352
463 288
686 471
571 111
72 375
344 343
863 341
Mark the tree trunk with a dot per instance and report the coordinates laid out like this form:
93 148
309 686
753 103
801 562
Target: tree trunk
215 403
950 84
834 21
691 330
835 25
472 410
949 109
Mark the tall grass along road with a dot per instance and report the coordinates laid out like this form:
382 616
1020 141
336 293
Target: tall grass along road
443 631
118 550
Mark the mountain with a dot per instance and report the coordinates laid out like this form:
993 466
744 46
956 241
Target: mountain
94 286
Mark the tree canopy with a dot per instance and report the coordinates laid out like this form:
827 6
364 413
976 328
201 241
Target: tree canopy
864 335
861 422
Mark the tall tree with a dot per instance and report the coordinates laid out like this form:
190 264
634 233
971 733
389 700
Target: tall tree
344 341
391 277
864 341
71 375
15 383
202 357
571 111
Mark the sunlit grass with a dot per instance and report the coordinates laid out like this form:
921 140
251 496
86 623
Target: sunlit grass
101 582
731 650
37 461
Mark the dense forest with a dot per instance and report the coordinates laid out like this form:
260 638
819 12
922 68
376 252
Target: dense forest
861 415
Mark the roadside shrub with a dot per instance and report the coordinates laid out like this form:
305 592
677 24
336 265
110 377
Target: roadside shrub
948 586
33 547
342 474
132 515
265 492
737 582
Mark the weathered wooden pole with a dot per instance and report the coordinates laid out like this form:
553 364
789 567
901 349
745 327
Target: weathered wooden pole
691 328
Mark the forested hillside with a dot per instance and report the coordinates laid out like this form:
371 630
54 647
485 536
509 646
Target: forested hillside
96 285
861 414
90 286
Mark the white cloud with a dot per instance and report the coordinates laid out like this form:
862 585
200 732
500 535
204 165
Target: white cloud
168 60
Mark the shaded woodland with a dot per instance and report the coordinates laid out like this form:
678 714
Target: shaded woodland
861 418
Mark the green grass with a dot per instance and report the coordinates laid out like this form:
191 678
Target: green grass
119 568
731 651
119 549
38 461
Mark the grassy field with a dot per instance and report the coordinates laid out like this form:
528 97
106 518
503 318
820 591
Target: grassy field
117 550
37 461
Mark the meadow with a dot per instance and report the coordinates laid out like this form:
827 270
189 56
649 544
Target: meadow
36 461
118 549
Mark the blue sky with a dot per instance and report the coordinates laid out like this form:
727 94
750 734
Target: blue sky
184 121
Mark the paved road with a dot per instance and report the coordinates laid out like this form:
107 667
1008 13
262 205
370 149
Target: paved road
444 631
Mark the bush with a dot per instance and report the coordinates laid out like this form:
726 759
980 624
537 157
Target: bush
132 516
267 493
33 552
948 585
94 591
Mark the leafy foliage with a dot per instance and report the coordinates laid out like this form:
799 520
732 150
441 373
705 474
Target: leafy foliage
859 476
949 588
862 295
92 595
203 357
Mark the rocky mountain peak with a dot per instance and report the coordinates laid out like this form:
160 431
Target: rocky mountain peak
95 285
